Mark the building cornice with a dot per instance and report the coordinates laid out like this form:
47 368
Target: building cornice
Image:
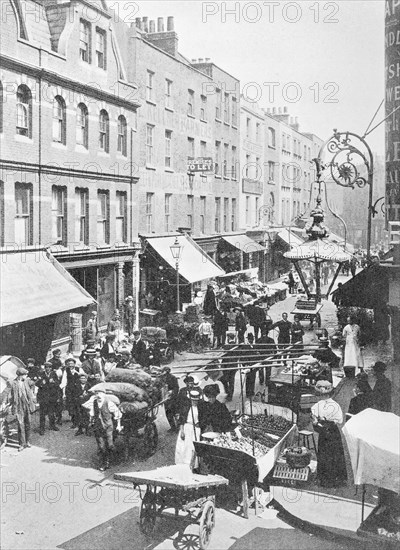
60 80
63 171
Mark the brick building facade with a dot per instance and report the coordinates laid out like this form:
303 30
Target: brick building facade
68 146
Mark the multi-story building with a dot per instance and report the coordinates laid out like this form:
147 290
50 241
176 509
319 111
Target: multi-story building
253 198
69 145
190 110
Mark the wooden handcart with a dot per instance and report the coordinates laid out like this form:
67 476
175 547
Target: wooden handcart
141 426
308 309
176 492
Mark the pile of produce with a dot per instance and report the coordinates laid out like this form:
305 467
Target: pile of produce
244 444
272 424
258 435
135 388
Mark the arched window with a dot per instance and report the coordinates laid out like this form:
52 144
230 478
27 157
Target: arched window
82 125
24 111
104 131
122 136
59 120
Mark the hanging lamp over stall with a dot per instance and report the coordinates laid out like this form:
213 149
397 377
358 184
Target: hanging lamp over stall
318 249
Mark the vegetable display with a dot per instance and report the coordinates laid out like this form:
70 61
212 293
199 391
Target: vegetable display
244 444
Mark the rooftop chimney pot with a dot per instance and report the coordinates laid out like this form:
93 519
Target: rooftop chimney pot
160 24
200 60
285 110
138 22
170 23
145 24
152 26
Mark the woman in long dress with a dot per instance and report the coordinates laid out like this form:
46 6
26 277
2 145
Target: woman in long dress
327 417
189 431
352 358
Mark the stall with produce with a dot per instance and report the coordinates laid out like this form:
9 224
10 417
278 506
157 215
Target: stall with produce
247 455
139 394
373 440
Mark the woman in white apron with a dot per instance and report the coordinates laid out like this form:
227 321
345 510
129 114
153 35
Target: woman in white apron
352 358
189 431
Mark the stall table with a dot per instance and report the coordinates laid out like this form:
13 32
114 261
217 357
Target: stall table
177 488
240 467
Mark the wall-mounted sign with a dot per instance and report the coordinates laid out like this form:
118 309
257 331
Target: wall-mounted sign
200 164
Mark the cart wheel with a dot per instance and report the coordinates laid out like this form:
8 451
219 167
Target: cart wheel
4 433
168 354
150 438
148 513
207 522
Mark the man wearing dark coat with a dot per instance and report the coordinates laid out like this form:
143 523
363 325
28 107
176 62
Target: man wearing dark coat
73 374
139 349
256 316
266 347
171 403
22 405
210 303
47 396
285 327
91 367
248 357
382 391
214 416
221 325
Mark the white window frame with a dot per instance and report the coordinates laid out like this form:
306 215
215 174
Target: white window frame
167 211
149 212
103 217
168 94
149 144
104 131
59 120
58 214
121 217
101 48
85 31
82 128
168 149
81 215
122 140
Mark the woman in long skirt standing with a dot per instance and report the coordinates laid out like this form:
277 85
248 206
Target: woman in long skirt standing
352 357
327 417
189 430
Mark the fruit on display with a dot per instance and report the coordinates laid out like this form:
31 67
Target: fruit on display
244 444
259 436
271 424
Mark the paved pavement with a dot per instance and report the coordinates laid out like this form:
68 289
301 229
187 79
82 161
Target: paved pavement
54 497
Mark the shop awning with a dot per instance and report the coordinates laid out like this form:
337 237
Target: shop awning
340 240
243 243
368 289
33 284
194 264
289 238
251 271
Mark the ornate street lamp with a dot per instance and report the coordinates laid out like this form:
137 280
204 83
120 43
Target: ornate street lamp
176 251
352 164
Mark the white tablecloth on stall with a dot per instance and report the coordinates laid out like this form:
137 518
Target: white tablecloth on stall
373 439
267 462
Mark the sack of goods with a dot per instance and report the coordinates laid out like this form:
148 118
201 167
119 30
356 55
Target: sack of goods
133 408
135 388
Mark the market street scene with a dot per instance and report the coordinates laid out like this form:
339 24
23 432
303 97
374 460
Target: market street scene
199 275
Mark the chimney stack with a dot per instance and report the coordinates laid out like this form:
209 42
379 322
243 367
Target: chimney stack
274 110
138 22
285 110
200 60
170 23
207 60
165 40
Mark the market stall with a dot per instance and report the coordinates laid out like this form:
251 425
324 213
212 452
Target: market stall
247 456
373 440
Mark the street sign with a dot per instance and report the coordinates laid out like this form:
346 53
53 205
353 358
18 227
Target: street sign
200 164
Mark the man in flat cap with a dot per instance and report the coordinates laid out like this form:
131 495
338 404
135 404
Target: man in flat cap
23 405
47 396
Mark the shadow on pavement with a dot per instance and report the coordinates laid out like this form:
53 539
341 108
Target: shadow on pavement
123 532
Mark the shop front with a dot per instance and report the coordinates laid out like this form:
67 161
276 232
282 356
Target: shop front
35 291
239 252
161 273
